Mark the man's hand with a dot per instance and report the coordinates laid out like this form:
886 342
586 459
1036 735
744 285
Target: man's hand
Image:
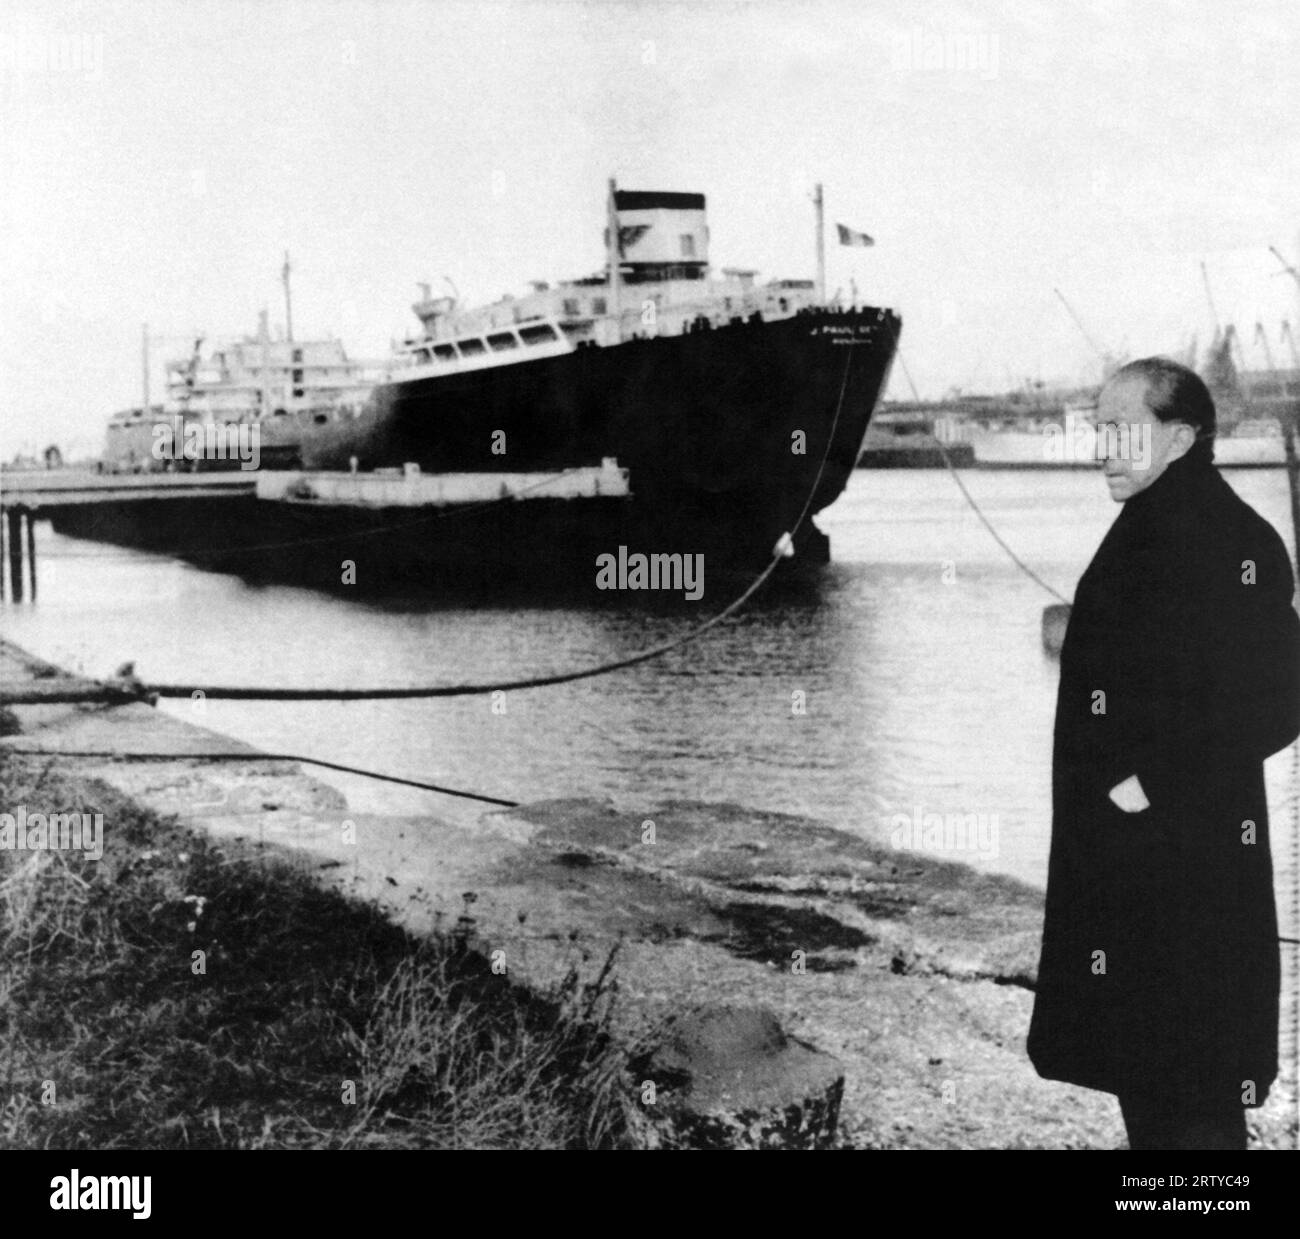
1129 795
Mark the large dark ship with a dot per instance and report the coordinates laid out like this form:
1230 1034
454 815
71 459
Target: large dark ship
722 397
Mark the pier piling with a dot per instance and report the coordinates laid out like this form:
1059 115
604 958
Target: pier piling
31 551
11 539
15 517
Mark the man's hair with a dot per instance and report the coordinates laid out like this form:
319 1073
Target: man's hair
1175 394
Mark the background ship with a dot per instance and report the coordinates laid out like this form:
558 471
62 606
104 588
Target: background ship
287 388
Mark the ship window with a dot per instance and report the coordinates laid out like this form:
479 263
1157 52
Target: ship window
503 341
571 307
688 245
598 305
537 335
422 356
444 352
321 418
470 348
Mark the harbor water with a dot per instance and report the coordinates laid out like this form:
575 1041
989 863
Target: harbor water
907 684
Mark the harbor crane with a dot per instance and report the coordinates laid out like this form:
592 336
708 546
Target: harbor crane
1209 296
1289 336
1110 362
1261 337
1078 322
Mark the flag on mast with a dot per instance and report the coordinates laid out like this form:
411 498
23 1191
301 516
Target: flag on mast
849 237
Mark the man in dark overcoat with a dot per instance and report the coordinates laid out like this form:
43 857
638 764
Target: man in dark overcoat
1180 673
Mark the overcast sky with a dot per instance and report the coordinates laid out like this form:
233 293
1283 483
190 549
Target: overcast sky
157 158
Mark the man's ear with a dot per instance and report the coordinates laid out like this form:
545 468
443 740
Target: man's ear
1184 438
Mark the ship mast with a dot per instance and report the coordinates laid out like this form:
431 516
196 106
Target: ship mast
144 367
288 300
264 335
821 244
612 259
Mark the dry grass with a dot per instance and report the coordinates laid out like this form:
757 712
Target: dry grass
317 1023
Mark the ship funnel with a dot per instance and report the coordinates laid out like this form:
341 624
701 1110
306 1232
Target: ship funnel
661 235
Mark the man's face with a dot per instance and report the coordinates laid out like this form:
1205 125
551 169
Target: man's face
1136 447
